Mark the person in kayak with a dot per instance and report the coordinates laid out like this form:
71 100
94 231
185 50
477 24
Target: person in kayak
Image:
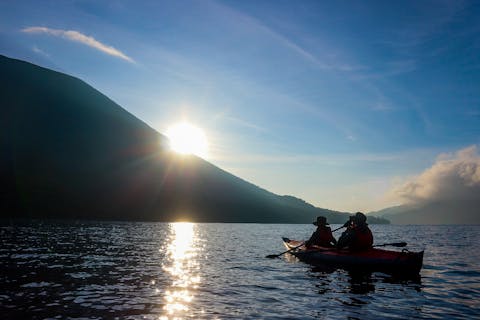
358 235
322 236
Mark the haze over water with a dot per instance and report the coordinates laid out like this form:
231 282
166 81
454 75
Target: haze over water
204 271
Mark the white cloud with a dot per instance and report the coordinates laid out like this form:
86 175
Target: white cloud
452 178
79 37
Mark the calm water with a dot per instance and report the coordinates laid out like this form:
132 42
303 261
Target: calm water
207 271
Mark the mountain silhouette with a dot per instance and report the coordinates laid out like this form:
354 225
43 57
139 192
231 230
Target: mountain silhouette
68 151
437 212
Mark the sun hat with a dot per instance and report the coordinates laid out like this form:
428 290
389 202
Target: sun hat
321 221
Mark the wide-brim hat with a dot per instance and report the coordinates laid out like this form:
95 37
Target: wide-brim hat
321 221
360 218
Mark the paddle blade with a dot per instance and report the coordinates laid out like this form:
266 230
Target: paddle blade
399 244
289 250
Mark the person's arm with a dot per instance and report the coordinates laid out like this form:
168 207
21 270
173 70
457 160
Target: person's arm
345 239
348 223
333 240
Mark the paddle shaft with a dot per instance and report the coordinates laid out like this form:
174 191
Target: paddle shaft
393 244
338 228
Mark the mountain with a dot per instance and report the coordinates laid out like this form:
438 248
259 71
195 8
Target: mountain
388 211
438 212
68 151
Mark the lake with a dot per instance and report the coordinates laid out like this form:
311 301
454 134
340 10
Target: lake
127 270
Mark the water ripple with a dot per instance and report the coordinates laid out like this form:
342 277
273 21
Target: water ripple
100 270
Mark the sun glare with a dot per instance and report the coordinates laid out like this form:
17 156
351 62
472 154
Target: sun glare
186 138
183 268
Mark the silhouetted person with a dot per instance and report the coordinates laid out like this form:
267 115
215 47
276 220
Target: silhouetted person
322 236
358 235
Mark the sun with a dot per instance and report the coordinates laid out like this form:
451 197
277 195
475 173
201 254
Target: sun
186 138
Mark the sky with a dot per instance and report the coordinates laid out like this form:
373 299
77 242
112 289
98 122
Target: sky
345 104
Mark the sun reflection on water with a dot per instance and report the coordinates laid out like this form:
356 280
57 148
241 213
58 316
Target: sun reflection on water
183 269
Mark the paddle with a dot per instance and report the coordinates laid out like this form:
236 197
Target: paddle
271 256
393 244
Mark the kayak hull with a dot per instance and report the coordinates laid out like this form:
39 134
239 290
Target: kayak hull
395 262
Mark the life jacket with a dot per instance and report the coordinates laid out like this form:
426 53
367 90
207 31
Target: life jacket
325 237
322 237
363 238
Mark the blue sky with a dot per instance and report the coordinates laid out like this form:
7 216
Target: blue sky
335 102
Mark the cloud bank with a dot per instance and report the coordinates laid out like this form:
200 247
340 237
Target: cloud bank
81 38
453 178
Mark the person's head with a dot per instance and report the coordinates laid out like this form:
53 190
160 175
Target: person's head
321 221
359 218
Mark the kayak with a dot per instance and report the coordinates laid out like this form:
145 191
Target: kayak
373 259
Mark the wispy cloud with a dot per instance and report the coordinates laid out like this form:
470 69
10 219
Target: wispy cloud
381 106
324 159
251 23
81 38
246 124
387 70
40 51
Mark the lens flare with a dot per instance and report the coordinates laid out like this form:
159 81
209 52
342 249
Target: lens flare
186 138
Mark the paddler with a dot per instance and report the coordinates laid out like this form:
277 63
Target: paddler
323 236
358 235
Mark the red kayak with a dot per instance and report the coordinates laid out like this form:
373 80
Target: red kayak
398 262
